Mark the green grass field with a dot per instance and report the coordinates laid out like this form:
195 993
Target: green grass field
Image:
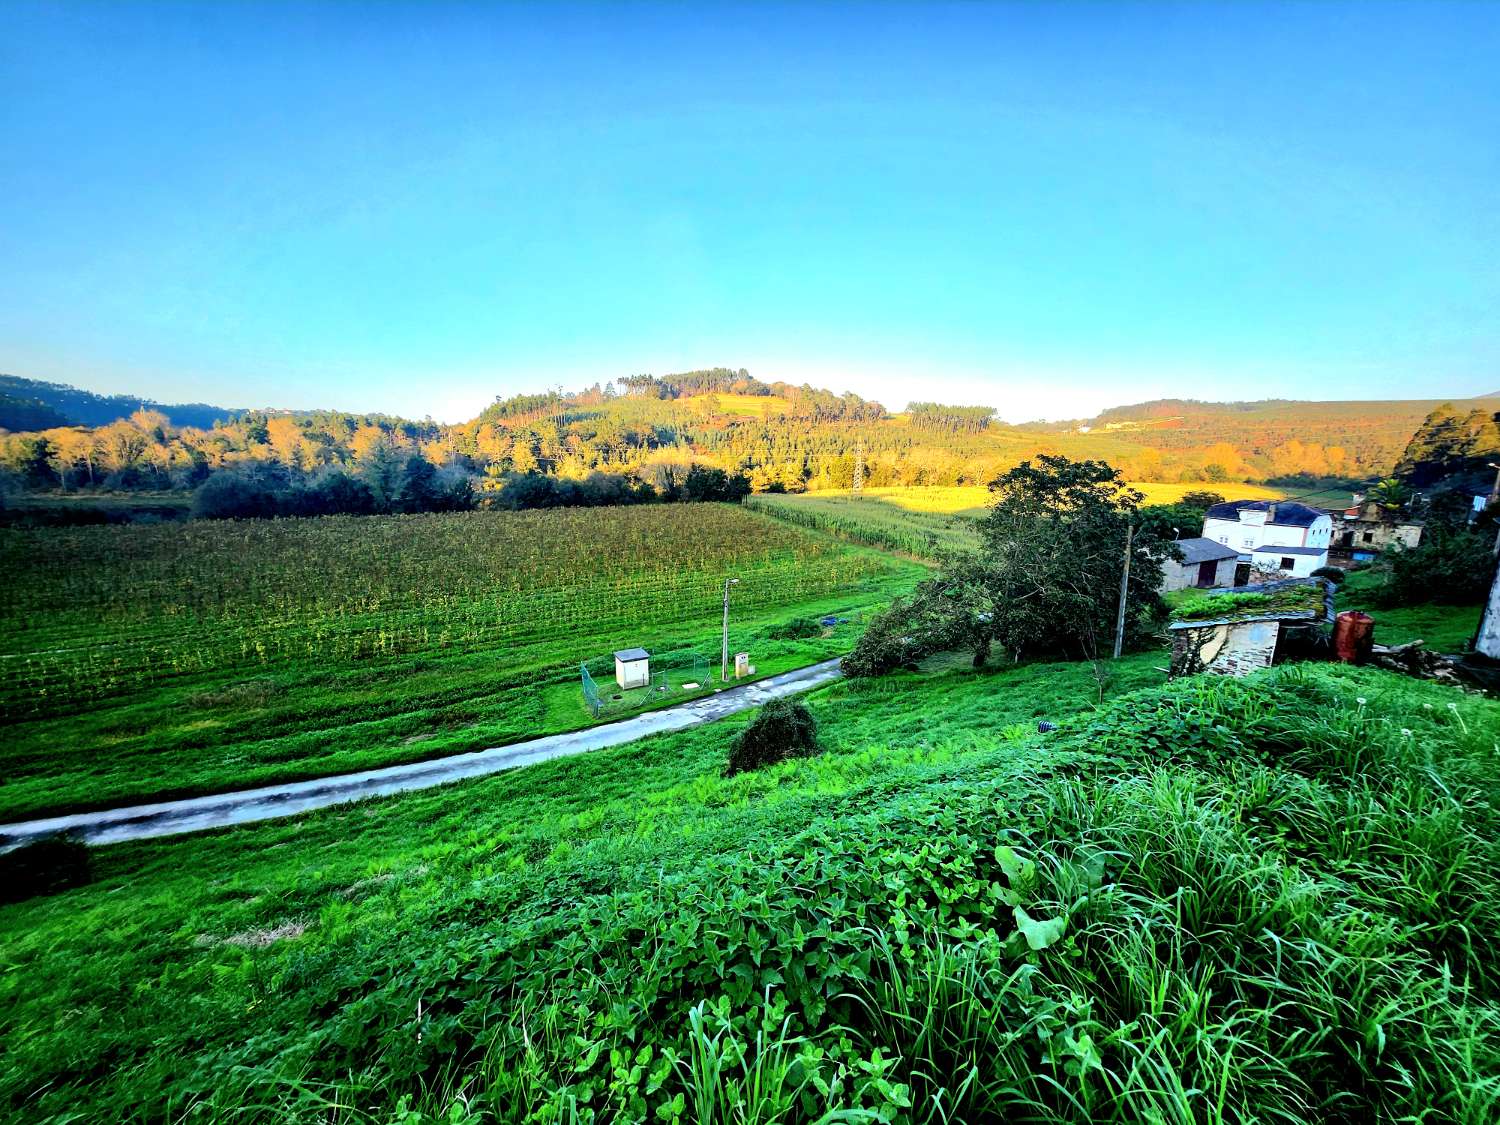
172 660
1272 900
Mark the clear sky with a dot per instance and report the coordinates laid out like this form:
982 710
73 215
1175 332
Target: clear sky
1047 208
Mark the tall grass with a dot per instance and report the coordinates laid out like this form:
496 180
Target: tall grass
1273 900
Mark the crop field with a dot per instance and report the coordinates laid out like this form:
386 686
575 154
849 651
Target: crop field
872 520
1217 901
143 658
923 522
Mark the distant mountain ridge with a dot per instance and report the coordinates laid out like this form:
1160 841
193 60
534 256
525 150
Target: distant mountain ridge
31 404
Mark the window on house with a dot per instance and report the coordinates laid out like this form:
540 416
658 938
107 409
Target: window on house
1286 563
1369 537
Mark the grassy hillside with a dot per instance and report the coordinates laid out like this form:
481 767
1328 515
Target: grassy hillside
148 661
1272 900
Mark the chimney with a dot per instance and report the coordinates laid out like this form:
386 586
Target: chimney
1271 514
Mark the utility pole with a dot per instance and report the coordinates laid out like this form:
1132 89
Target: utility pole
724 659
1124 588
859 466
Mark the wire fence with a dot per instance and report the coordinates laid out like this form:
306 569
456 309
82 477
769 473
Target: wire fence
672 673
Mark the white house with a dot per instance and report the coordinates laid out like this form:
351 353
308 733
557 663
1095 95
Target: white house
1289 562
1259 530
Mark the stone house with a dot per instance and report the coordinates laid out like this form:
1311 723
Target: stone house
1254 633
1205 565
1365 529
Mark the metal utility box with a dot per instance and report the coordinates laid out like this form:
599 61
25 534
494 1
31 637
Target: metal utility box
742 665
632 667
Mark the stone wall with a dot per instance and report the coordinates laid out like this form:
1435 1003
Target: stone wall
1224 650
1181 576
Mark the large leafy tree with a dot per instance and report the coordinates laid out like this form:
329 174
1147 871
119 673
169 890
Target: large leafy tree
1045 580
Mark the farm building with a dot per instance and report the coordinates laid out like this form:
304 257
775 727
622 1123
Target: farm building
1245 628
632 667
1205 564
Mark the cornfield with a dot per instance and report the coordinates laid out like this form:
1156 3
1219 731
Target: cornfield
92 612
872 520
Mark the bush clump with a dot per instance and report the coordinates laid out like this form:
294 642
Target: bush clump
795 629
1449 568
1334 574
44 867
782 730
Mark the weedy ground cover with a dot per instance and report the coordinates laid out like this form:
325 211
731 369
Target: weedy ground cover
1444 628
1267 900
152 661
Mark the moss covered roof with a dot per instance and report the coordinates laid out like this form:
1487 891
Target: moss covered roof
1291 599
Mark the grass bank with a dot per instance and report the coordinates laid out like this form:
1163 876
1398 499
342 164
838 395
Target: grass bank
1271 900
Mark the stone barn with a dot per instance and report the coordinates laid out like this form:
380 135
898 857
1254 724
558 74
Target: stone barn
1205 564
1242 629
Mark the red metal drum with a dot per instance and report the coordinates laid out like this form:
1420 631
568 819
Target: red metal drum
1353 635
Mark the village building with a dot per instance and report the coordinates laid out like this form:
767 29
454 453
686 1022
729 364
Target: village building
1205 564
1253 631
1365 529
1259 529
1286 562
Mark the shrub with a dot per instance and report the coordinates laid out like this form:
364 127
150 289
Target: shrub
795 629
1449 568
1334 574
782 730
225 496
44 867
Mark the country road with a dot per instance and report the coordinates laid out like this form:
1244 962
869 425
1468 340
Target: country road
196 814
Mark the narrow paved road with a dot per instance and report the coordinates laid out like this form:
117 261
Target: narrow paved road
195 814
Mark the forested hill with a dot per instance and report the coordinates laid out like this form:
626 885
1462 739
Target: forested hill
648 430
1357 438
30 404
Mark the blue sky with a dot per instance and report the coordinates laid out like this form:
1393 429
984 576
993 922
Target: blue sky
1047 208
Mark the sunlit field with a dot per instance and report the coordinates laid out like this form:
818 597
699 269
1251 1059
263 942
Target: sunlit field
925 522
973 499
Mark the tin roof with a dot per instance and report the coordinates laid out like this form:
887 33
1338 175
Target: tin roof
1272 549
632 654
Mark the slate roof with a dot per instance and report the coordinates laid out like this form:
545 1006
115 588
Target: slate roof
1272 549
1288 512
632 654
1201 550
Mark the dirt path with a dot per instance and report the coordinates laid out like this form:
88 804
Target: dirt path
195 814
